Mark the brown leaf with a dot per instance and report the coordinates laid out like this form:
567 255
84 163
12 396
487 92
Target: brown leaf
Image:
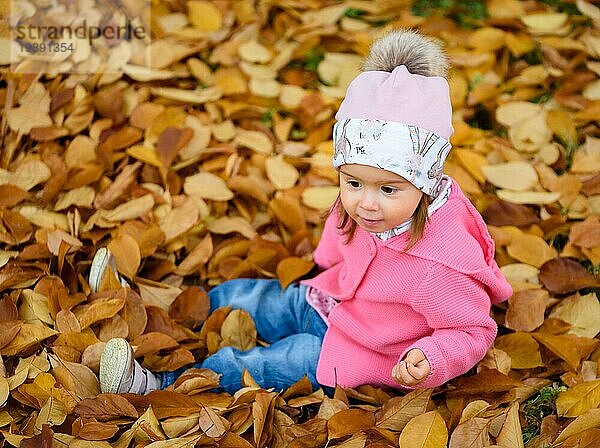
563 275
170 142
238 330
586 233
92 429
473 432
198 257
134 313
262 412
105 407
176 359
526 309
165 403
503 213
159 320
153 342
100 309
349 421
398 411
486 381
108 198
194 380
8 331
191 307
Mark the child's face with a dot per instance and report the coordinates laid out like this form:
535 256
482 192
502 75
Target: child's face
378 200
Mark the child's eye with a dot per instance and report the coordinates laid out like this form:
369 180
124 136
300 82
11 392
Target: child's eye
353 183
386 189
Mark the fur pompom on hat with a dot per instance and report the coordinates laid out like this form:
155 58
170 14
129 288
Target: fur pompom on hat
396 114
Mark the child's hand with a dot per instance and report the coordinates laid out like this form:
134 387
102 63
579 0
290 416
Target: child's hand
413 369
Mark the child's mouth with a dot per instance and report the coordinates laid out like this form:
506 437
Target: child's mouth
370 222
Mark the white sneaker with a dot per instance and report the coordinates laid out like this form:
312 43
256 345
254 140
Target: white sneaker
103 260
120 373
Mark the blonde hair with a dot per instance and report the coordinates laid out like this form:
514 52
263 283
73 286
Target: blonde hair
417 226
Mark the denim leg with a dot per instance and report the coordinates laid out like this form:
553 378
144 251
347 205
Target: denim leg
278 366
277 313
284 319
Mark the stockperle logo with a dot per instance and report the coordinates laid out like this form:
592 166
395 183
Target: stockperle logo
79 37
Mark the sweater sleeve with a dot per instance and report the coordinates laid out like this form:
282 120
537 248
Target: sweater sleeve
457 308
327 254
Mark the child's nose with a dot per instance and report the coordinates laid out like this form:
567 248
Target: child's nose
368 201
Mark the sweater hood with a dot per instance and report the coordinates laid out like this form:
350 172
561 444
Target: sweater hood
456 236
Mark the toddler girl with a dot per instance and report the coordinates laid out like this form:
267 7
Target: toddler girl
407 271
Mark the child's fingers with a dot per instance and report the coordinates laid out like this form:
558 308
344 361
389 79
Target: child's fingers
402 375
417 372
415 356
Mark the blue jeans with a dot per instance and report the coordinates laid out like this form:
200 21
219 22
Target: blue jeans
284 319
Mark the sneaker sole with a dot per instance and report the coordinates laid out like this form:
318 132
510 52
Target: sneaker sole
115 358
99 265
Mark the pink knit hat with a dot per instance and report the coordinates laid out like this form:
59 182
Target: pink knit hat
400 96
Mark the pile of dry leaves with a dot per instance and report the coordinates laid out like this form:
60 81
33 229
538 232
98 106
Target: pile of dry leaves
215 163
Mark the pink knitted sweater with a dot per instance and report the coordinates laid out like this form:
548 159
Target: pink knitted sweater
436 297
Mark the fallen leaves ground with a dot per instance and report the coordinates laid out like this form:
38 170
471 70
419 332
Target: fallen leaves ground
216 164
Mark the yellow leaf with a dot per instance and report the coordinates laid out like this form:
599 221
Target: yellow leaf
30 173
425 431
473 162
563 346
131 210
204 15
292 268
487 38
207 186
212 424
255 140
472 433
545 22
82 197
588 420
4 390
530 249
511 113
228 224
473 409
179 219
145 154
282 174
238 330
587 157
76 378
54 412
252 51
563 127
515 175
582 312
43 218
522 348
511 435
579 399
528 197
320 198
